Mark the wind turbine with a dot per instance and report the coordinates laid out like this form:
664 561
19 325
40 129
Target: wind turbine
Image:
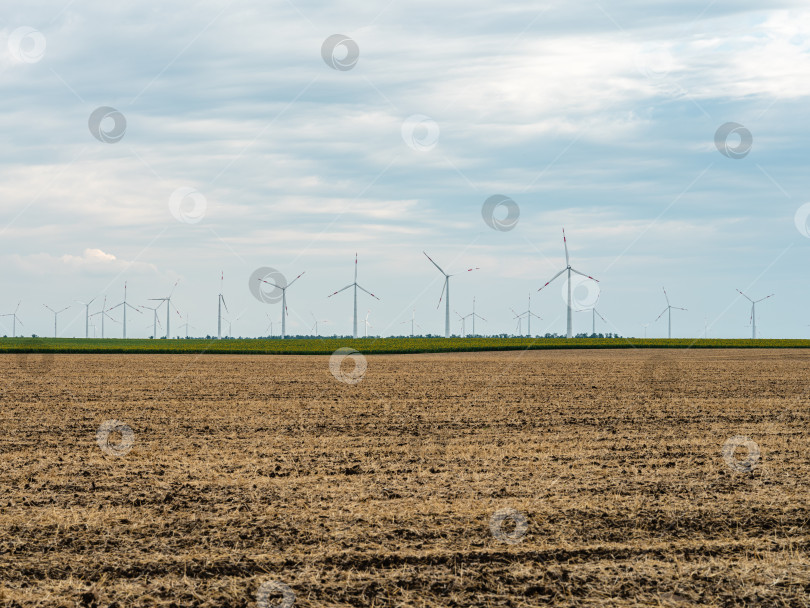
104 313
529 314
446 288
473 314
284 312
668 309
315 324
270 324
169 305
754 313
594 314
125 304
412 322
645 326
569 270
230 335
186 325
86 316
55 315
15 319
220 304
155 320
367 324
463 323
356 287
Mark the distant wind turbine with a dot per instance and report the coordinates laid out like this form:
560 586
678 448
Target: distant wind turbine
14 320
104 312
284 312
528 314
473 314
594 314
315 324
124 305
56 314
668 310
367 324
412 322
569 270
87 316
155 320
445 292
220 304
356 287
753 318
168 300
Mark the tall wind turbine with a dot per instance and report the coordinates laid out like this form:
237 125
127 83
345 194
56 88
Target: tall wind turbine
155 320
528 314
446 288
668 309
754 313
220 304
56 314
356 287
169 305
104 312
15 319
284 312
124 305
86 316
569 270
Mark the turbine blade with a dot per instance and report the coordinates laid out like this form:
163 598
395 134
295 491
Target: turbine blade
552 278
368 292
584 275
296 278
273 284
339 290
435 264
745 296
442 294
565 242
600 316
766 297
662 314
665 295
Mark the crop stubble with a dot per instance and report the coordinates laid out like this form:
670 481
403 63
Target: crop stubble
253 468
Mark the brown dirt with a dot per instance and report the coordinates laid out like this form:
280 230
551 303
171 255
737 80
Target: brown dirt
252 469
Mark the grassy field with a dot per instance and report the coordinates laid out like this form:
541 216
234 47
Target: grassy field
325 346
566 478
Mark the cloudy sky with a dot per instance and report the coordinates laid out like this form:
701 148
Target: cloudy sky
244 134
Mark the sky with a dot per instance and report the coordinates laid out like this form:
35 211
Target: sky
167 144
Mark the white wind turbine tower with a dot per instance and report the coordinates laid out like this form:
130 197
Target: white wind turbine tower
86 316
229 325
473 314
220 304
668 309
169 305
446 288
366 323
569 270
56 314
155 320
645 326
104 313
270 324
754 313
412 322
528 314
284 312
14 320
187 325
123 304
594 314
356 287
315 324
